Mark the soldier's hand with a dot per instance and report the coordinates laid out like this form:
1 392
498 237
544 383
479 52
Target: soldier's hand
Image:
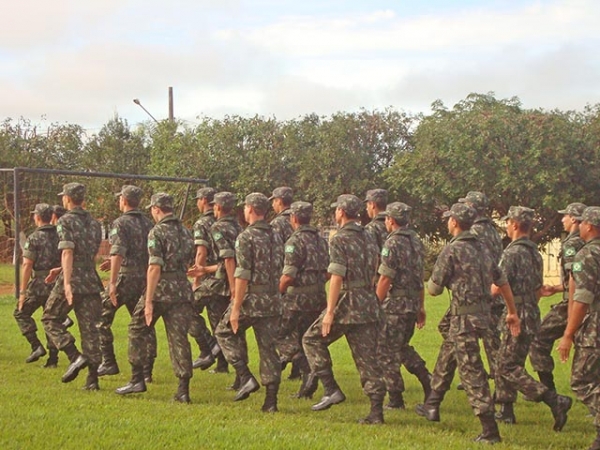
564 348
234 320
495 290
547 290
421 318
52 275
112 293
21 301
514 324
105 266
69 294
148 312
327 322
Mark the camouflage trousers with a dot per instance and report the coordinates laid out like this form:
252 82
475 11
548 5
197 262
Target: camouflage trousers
129 290
87 309
511 375
394 349
585 378
233 345
491 337
176 317
293 326
463 352
215 307
25 320
552 328
363 341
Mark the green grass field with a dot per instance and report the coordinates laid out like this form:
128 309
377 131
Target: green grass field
38 411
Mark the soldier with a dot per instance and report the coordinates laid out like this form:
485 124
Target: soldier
128 265
78 287
203 287
583 324
400 289
256 303
466 267
168 295
352 311
40 254
57 212
554 323
303 282
523 267
376 201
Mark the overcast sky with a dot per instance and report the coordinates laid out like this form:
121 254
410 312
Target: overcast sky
82 61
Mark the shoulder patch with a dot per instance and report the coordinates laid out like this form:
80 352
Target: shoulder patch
570 251
151 243
217 236
385 251
577 267
59 227
113 231
26 245
289 249
237 243
197 233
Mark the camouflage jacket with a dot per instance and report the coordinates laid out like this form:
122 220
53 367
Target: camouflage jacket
485 230
224 232
202 236
129 238
586 273
402 258
259 257
353 255
306 260
376 227
80 232
569 248
41 247
171 246
466 267
281 224
524 269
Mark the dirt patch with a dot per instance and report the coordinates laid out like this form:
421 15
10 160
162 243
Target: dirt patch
7 289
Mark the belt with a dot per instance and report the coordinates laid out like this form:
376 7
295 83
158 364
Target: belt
402 293
468 309
173 276
40 273
354 285
520 299
309 289
133 269
261 289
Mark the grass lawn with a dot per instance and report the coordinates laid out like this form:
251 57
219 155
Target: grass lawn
38 411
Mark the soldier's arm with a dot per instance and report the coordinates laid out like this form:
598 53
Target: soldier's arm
115 267
26 271
199 261
66 262
383 287
335 286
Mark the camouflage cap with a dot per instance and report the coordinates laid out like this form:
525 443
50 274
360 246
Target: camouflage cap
42 209
477 199
285 193
301 209
162 200
130 192
258 201
74 190
573 209
348 203
206 192
225 199
520 214
462 212
591 214
377 195
398 211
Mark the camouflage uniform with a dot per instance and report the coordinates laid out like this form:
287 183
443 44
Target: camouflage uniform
585 372
259 259
466 267
554 323
170 246
353 255
523 266
78 231
402 261
41 247
306 259
128 238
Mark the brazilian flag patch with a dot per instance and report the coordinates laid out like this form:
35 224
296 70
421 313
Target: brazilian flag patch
570 252
26 245
217 236
577 267
197 233
113 231
59 228
151 243
289 249
385 251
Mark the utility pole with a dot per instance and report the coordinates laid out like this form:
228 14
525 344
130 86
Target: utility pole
171 116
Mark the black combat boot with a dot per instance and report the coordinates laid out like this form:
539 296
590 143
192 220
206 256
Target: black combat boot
396 401
137 383
148 369
78 363
559 405
596 443
222 366
37 349
91 383
52 360
248 383
235 385
109 366
183 391
424 378
506 413
547 379
490 433
375 416
295 372
431 408
332 395
270 404
310 382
